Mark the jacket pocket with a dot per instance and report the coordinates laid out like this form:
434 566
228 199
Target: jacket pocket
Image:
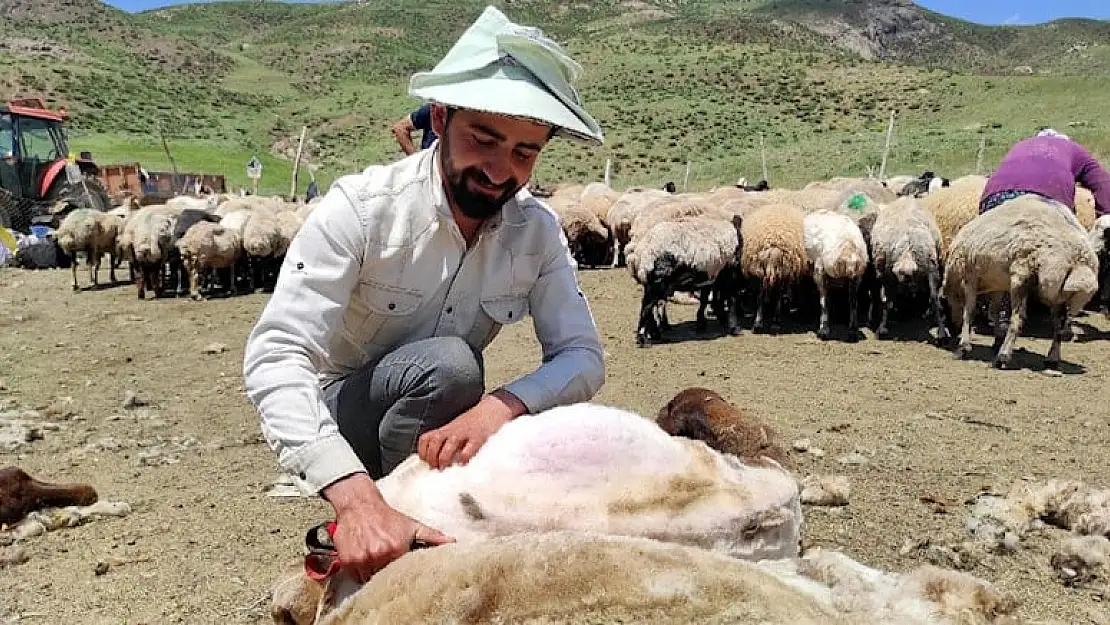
382 311
497 311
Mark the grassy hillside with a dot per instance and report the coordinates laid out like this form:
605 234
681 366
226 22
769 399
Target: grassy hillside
670 80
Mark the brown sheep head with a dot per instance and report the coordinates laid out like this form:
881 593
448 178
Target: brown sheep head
21 494
702 414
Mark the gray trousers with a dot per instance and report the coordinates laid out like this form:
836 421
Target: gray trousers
383 408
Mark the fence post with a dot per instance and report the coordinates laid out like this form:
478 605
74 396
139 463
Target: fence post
979 158
886 148
686 180
763 157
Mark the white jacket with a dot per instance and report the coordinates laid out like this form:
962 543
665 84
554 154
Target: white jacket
379 263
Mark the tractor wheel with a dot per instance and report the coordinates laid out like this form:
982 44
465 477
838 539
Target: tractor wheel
7 210
88 192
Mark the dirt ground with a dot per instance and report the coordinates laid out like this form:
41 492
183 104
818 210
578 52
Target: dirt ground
204 540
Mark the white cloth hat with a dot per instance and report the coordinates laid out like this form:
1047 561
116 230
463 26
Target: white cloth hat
1049 132
500 67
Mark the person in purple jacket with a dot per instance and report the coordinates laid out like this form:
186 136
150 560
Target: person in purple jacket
1048 164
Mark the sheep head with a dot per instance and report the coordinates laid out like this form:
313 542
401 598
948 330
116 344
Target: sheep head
703 415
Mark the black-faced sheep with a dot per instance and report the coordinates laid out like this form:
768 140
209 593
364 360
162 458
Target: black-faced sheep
691 253
1026 246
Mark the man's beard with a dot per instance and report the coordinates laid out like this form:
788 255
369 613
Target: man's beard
475 205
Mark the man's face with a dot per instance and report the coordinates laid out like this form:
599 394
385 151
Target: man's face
486 158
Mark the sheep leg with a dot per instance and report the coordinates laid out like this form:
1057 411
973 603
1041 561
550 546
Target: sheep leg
194 278
886 297
1060 324
703 303
73 265
1000 325
113 260
1018 298
822 294
934 300
647 329
93 259
760 303
966 305
853 310
781 291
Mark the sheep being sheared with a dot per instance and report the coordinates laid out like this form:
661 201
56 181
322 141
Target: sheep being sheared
588 467
838 254
1025 246
563 576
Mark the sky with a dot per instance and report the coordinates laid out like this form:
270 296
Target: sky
982 11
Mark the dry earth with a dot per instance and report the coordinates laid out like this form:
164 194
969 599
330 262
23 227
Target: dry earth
205 541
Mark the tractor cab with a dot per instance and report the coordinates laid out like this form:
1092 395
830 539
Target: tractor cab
35 169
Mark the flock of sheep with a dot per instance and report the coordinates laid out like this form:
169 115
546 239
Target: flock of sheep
915 241
174 247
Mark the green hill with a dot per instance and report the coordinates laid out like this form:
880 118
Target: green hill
671 81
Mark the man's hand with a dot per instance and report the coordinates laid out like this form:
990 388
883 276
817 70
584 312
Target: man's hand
369 533
460 439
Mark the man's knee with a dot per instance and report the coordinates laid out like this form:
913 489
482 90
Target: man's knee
457 374
439 377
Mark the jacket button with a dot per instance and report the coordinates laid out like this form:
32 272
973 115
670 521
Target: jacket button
449 309
392 305
510 314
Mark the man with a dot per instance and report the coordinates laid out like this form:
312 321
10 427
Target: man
404 273
1049 164
420 119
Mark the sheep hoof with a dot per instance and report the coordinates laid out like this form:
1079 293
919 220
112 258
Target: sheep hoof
1001 361
737 331
883 332
853 336
823 334
1052 365
76 289
962 352
1067 334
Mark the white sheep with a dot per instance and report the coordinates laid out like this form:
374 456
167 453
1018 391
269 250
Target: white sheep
590 577
611 471
94 233
1100 240
588 238
625 210
262 240
774 254
1024 244
208 246
145 242
690 253
837 253
906 248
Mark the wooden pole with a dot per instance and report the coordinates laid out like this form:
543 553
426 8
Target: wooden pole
169 155
979 158
297 164
886 148
763 156
608 169
686 180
